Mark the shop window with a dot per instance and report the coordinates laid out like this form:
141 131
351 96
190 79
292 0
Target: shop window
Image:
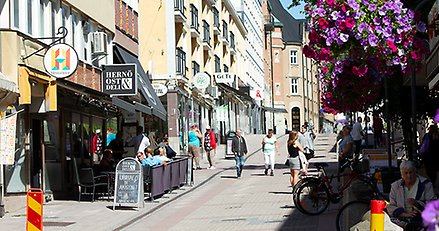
295 118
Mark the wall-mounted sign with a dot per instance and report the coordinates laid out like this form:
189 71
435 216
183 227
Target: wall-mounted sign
160 89
258 94
224 77
201 80
119 79
60 60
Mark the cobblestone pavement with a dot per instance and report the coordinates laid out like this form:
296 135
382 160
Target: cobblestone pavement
254 202
216 201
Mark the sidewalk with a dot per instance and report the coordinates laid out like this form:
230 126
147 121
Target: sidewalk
72 215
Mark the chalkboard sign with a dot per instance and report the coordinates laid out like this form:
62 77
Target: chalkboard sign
128 189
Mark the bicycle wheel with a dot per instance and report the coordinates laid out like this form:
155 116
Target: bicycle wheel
303 180
351 213
365 188
312 198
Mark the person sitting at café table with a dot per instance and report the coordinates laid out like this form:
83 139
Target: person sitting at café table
408 197
107 163
162 154
147 159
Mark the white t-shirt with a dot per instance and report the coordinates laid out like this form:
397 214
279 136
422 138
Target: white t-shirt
356 131
270 144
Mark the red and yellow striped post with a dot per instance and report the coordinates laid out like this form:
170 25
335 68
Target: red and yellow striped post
34 215
377 215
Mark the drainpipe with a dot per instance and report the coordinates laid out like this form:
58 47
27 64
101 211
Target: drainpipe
2 203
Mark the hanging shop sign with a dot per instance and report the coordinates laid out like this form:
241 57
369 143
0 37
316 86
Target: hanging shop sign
60 61
224 77
160 89
257 94
201 80
119 79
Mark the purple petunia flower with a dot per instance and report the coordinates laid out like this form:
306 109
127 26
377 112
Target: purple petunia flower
379 29
382 11
436 117
321 12
421 27
344 37
353 4
373 40
387 20
362 26
377 21
430 215
372 7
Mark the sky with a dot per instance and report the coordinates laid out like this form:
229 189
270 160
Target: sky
295 11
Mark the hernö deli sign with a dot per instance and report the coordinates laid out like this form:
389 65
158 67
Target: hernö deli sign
119 79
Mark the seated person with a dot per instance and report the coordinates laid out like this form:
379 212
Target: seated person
162 154
147 159
163 142
408 196
107 163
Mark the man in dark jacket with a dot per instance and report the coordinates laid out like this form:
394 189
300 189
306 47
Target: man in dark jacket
239 148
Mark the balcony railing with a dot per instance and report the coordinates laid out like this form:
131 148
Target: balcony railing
194 17
206 32
180 61
180 9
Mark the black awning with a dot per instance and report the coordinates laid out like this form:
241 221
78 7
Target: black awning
236 92
143 108
156 107
274 109
123 104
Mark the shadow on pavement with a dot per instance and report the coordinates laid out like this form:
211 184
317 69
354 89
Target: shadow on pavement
229 177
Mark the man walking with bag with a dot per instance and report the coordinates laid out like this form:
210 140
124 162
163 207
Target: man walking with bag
239 148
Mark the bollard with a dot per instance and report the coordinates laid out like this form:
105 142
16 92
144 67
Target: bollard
34 211
377 215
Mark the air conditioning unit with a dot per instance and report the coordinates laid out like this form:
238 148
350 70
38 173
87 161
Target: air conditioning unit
99 43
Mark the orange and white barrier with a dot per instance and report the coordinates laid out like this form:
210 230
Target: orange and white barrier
34 213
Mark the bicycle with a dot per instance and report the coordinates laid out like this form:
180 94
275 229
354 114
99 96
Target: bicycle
314 194
351 213
320 171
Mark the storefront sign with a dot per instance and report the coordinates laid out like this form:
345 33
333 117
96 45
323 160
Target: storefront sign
201 80
160 89
60 60
258 94
128 189
119 79
224 77
7 140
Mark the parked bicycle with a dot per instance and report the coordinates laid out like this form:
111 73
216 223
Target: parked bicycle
313 196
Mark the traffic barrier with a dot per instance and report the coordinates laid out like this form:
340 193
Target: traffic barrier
377 215
34 214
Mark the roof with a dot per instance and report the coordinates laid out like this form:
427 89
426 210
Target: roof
292 28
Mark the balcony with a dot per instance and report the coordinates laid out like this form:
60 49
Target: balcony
195 33
180 62
206 36
179 11
216 23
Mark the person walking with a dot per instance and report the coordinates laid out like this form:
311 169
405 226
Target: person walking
269 148
210 146
293 147
377 129
357 134
194 137
239 149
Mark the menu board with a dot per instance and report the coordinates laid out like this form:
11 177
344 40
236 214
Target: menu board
129 183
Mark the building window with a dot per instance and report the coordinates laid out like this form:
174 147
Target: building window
294 86
29 16
293 57
206 32
195 68
277 87
225 31
42 15
53 17
181 62
226 68
217 64
194 16
295 118
276 57
16 13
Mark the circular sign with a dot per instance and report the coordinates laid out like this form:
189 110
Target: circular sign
201 80
160 89
60 60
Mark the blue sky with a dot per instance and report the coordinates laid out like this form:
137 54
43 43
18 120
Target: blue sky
294 11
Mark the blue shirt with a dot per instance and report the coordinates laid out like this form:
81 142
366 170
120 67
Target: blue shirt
151 161
193 139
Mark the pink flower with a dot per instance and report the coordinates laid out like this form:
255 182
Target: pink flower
323 23
330 2
415 55
391 45
325 70
344 7
350 23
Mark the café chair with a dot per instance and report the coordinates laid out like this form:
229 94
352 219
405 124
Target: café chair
87 179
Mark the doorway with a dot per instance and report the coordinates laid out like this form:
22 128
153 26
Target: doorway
36 163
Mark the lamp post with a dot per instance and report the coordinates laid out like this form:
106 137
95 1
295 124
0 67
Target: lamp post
272 81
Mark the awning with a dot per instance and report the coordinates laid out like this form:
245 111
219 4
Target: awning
236 92
123 104
8 92
275 109
156 107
